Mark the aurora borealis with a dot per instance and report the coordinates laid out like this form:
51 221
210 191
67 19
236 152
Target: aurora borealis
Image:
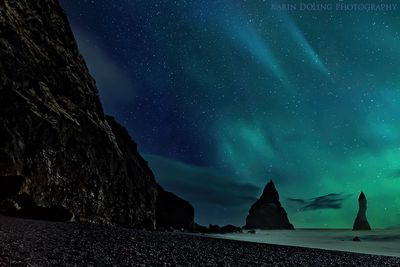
222 96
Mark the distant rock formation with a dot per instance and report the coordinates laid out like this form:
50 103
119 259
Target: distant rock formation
361 222
173 212
267 212
59 153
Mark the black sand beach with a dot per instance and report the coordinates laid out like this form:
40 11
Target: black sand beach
37 243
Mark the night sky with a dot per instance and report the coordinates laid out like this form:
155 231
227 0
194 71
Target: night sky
222 96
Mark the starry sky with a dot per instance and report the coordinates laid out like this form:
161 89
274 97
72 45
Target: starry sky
222 96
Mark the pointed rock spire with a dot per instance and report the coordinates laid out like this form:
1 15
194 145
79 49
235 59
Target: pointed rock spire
361 222
267 212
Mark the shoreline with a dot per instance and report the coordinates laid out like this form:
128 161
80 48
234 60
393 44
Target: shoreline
380 242
40 243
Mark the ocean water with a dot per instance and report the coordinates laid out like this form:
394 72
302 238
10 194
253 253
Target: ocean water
379 242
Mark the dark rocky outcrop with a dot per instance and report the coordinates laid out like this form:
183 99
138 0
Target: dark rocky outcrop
361 222
198 228
216 229
229 228
267 212
23 206
213 228
53 129
172 212
10 186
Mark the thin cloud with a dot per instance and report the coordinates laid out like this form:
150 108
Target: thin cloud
330 201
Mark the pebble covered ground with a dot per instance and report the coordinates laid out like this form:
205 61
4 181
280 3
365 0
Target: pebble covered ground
38 243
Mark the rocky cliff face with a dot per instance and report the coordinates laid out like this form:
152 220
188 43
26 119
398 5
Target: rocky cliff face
361 222
267 212
53 130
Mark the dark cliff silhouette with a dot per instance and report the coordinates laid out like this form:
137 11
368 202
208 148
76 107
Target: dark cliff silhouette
57 148
173 212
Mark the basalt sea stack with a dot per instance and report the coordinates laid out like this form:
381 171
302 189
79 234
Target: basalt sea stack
267 212
57 148
361 222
